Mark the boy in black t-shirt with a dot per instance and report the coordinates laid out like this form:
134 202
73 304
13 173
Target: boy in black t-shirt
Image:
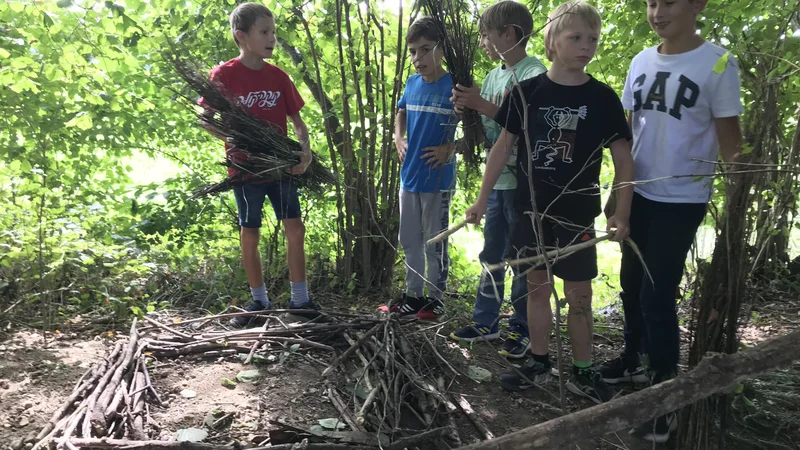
571 117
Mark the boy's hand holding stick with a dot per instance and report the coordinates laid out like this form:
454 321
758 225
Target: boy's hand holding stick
445 234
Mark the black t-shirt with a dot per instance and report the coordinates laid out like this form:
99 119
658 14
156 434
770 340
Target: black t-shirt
568 127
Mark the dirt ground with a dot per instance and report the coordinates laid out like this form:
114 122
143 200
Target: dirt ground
36 376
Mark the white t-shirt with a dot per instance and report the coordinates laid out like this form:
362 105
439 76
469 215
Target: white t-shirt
675 99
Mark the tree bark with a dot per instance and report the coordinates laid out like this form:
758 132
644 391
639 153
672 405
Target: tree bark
716 373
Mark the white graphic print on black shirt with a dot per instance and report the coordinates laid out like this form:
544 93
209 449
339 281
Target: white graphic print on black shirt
558 144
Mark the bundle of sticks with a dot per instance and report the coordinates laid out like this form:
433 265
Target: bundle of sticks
460 44
111 400
267 154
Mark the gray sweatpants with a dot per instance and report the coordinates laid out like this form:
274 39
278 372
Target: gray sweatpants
423 215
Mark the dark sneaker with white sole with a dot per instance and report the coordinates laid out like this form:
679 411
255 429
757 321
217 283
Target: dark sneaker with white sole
309 310
475 333
252 320
590 384
658 429
619 370
531 373
516 345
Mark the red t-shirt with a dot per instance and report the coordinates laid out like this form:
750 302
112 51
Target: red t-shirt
267 93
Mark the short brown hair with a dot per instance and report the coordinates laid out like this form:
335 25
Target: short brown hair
424 27
245 15
563 16
508 13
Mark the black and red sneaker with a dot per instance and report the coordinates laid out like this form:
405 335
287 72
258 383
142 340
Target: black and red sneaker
431 310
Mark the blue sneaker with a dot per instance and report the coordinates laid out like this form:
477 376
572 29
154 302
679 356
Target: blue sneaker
243 321
309 310
476 333
516 345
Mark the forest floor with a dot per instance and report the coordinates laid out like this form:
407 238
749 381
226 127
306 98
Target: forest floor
38 371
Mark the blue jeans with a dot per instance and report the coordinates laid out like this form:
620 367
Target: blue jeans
496 232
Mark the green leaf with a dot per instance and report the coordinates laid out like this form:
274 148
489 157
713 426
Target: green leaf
721 63
358 390
16 6
192 435
64 3
14 165
332 424
4 53
479 374
249 376
230 384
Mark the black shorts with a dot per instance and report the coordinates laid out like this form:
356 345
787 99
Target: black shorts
579 266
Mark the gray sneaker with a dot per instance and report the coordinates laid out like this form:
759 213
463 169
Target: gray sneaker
590 384
531 373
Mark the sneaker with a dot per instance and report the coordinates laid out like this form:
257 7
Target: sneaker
589 383
432 310
516 345
406 305
618 370
243 321
475 333
531 373
657 430
309 310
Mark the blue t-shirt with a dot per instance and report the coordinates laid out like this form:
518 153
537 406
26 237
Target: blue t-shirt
430 121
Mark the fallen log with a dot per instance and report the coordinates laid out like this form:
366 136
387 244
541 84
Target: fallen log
716 373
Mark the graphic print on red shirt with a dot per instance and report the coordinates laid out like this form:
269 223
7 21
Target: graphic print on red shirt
267 93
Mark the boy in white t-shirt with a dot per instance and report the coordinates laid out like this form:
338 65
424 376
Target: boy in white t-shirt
682 115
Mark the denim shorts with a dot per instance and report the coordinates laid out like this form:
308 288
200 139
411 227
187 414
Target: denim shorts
250 201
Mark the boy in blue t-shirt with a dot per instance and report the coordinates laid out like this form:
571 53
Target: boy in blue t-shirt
427 176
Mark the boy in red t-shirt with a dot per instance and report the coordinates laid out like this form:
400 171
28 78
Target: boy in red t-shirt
268 93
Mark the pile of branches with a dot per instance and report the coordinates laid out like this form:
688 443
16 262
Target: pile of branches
267 154
111 400
458 30
388 384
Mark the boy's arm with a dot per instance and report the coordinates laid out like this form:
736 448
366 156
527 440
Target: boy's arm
622 190
729 135
399 134
301 131
498 157
208 125
611 204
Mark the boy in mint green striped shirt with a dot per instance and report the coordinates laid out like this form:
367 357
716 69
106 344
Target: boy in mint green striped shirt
504 28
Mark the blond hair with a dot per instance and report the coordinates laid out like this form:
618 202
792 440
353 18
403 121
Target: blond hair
564 16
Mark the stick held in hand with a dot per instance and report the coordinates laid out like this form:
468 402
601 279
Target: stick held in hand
447 233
